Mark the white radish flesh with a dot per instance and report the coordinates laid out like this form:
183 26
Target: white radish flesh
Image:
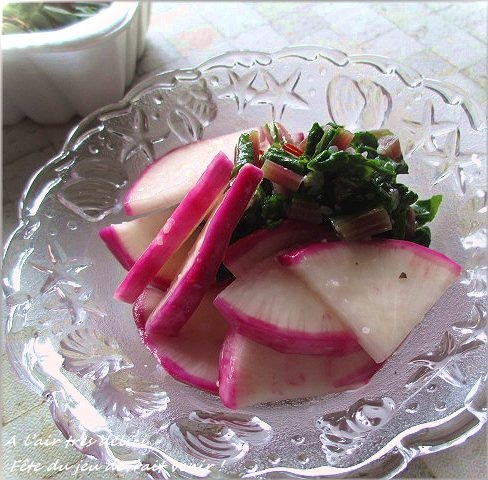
380 288
274 307
192 357
251 373
165 182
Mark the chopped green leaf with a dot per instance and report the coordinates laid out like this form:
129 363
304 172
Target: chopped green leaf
273 131
277 155
273 209
327 138
426 210
354 188
314 136
244 152
422 236
365 139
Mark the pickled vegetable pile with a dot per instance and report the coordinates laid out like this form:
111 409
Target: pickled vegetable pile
264 265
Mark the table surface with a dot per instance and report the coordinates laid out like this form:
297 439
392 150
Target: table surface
447 41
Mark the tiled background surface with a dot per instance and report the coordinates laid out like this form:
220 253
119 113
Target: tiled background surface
444 40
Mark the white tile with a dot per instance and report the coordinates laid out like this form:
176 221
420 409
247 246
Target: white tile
21 139
416 469
331 39
431 65
231 18
438 6
158 53
9 219
467 15
357 21
461 49
276 9
269 40
394 44
478 73
330 10
461 461
17 172
477 91
20 448
58 134
17 400
180 17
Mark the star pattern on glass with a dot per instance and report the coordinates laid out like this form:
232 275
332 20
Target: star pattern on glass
443 363
60 270
135 133
427 130
280 95
77 303
240 88
450 161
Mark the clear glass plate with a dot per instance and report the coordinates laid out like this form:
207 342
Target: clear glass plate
71 342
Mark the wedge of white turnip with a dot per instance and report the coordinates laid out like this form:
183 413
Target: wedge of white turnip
192 357
271 305
251 373
165 182
184 220
380 288
128 240
246 252
200 269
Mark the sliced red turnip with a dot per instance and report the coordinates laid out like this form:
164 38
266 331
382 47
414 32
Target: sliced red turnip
273 306
251 373
164 183
192 357
381 288
128 240
201 267
243 254
186 217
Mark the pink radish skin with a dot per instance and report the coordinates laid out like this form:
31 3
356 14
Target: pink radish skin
380 288
251 249
128 240
201 267
115 244
251 373
165 182
192 357
186 217
274 307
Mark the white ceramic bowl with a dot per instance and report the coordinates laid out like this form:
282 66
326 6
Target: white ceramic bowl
52 76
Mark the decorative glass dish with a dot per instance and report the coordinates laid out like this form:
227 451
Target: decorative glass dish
71 342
